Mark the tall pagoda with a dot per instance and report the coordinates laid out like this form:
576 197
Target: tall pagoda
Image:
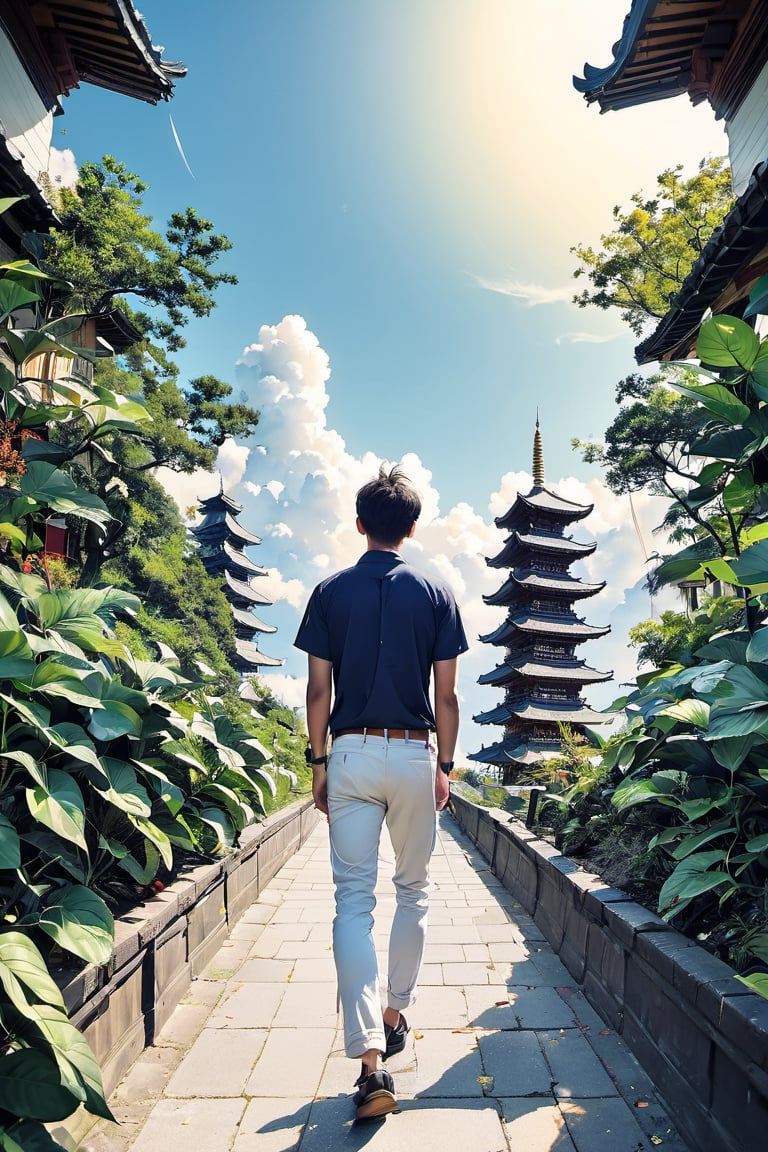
222 541
541 676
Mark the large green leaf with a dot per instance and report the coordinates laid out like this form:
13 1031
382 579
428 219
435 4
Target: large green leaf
17 660
751 567
79 921
55 489
171 795
758 298
22 966
14 295
690 711
36 768
10 847
718 399
125 791
756 982
114 719
692 877
78 1066
61 808
30 1086
726 342
156 836
31 1136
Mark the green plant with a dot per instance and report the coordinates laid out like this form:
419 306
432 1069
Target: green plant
110 764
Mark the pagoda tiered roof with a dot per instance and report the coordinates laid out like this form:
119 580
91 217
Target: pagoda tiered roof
516 752
541 504
561 626
222 540
562 587
242 592
221 522
249 655
575 671
521 545
542 677
247 620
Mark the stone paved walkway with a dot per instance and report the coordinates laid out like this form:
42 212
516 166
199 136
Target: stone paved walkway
505 1053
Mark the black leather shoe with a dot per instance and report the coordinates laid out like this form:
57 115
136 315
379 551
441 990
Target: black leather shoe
395 1036
375 1094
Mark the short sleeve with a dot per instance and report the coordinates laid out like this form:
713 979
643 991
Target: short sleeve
450 640
312 636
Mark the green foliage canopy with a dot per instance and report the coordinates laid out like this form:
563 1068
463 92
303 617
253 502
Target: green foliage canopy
643 262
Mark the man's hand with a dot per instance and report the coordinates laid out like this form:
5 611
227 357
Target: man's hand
442 790
320 789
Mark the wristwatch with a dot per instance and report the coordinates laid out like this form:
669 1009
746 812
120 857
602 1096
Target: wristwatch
446 766
314 760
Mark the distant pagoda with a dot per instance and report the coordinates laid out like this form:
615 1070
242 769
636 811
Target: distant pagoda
540 674
222 541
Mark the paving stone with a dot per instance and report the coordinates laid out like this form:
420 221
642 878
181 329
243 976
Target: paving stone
290 1063
307 1006
431 974
540 1008
515 1062
462 974
449 1064
438 1008
489 1007
265 971
304 950
459 935
258 913
507 951
434 1125
477 954
498 933
575 1068
248 1005
202 991
552 969
206 1125
314 970
271 1125
535 1125
602 1126
218 1063
247 930
150 1074
443 953
183 1025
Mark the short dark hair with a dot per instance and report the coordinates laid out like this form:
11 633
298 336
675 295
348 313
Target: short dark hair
388 506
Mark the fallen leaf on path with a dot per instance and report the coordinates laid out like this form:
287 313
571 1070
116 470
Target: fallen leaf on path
605 1032
656 1140
641 1103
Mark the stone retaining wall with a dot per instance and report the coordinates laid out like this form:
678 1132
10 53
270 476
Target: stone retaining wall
163 943
700 1033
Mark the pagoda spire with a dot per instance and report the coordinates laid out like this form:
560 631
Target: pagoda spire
538 457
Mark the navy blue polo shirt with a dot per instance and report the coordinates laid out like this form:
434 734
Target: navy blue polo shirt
381 624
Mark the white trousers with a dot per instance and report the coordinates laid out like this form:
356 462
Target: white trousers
370 779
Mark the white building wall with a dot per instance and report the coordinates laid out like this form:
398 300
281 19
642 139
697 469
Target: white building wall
748 133
26 123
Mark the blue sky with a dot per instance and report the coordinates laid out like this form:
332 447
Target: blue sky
407 176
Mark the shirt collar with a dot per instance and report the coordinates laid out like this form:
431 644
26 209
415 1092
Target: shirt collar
379 557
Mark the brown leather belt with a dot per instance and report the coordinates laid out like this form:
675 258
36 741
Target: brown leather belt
391 733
